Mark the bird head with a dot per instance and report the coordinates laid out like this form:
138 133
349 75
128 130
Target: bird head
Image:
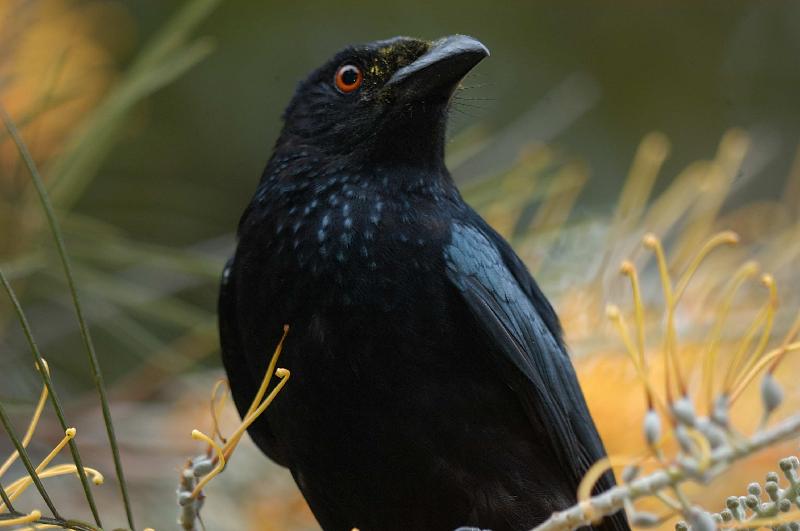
383 102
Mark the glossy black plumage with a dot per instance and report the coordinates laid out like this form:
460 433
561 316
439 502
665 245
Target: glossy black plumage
430 387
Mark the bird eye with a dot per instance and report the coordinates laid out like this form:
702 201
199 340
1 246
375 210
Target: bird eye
348 78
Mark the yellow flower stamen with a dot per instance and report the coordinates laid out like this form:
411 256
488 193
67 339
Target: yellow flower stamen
628 269
790 336
773 357
200 436
734 368
599 468
748 270
615 316
670 360
718 240
216 406
766 332
62 470
268 375
257 407
632 203
37 413
714 187
32 517
281 373
703 447
19 486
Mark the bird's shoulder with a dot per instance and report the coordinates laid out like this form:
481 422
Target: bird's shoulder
523 331
476 250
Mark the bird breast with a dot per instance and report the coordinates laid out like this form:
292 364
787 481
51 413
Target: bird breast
348 236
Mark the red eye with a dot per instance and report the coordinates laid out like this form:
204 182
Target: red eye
348 78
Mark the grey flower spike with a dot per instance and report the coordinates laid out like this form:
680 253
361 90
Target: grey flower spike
184 498
652 427
720 412
771 393
645 519
732 502
699 520
726 515
681 526
683 409
202 467
712 432
772 490
754 489
629 473
751 502
734 505
683 439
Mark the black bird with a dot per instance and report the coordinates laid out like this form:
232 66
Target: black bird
430 385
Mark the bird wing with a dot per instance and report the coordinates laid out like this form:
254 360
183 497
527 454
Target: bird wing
524 330
242 384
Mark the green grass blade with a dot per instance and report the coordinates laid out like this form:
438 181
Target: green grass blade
86 151
152 303
59 410
23 455
6 500
94 365
164 59
174 33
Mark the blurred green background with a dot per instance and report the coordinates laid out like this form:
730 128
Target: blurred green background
152 121
593 76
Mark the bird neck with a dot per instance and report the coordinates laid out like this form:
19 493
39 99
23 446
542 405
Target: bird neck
409 144
404 165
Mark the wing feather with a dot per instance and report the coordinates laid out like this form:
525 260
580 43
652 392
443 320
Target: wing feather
519 321
242 384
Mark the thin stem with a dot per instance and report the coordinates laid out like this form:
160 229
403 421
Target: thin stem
34 422
54 400
94 364
613 499
76 525
6 499
23 455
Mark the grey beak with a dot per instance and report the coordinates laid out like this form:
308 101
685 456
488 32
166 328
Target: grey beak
439 70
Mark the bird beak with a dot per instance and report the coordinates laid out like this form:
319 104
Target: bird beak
437 72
